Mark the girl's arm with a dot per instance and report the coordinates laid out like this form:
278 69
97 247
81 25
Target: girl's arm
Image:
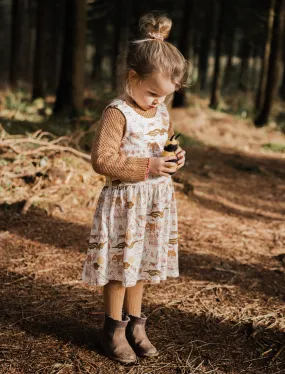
106 155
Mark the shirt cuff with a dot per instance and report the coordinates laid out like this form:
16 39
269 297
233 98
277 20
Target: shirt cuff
147 169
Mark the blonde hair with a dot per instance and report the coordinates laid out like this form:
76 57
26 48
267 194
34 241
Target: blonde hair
152 54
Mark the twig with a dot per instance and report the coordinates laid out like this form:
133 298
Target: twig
277 354
33 141
40 133
15 281
48 148
23 174
34 198
35 134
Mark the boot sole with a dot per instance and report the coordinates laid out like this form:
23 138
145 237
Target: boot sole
116 358
121 361
151 355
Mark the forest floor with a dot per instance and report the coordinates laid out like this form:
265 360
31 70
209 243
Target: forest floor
225 314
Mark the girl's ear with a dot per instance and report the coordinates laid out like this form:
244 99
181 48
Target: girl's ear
133 77
132 81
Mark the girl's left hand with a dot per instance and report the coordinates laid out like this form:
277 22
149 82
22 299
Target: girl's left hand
180 154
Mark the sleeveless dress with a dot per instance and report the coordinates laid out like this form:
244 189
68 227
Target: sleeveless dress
134 235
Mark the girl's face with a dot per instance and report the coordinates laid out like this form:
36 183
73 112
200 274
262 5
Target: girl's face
152 90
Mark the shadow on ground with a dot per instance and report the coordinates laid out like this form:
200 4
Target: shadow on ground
234 183
57 324
39 227
248 277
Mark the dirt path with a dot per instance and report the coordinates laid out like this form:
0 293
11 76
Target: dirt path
224 314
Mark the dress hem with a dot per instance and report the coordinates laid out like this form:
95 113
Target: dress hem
150 281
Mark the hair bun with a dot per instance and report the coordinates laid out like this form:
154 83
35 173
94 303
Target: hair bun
156 24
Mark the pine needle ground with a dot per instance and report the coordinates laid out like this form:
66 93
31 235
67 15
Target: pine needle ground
223 315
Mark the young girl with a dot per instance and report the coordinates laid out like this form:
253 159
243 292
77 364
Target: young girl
134 237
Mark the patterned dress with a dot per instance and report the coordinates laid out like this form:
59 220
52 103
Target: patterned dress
134 235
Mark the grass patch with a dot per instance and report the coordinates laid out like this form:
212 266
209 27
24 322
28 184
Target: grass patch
274 147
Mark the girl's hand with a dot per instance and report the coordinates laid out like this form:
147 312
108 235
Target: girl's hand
160 166
181 157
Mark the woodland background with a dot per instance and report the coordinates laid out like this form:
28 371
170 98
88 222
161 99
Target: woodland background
61 47
225 314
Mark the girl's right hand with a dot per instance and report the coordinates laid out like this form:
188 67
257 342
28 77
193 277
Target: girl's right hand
160 166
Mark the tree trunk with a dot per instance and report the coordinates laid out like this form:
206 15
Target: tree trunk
139 8
205 46
26 63
184 46
230 54
116 47
5 22
99 31
16 39
120 39
69 98
282 88
244 66
56 22
215 96
254 75
39 76
275 61
259 101
32 38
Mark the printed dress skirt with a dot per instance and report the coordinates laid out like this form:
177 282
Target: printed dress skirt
134 235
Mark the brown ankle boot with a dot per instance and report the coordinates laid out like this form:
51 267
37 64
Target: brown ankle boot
114 340
137 338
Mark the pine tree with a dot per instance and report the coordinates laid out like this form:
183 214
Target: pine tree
275 62
69 96
215 96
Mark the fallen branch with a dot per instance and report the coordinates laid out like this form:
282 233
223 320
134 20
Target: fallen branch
33 141
48 147
27 173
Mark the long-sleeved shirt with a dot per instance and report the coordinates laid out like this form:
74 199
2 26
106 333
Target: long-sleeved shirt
106 156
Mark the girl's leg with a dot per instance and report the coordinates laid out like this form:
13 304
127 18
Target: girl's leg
133 299
113 338
114 294
135 331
